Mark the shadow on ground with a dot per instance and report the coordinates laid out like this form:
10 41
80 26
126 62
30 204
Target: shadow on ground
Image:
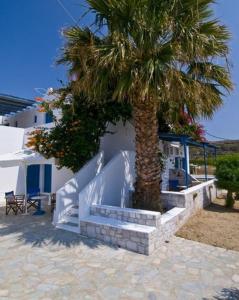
215 207
39 231
226 294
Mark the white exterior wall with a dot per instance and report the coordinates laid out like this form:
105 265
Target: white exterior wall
68 194
123 138
11 178
26 118
111 186
59 177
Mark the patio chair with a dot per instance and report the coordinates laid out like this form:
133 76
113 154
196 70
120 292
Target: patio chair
14 203
53 202
32 202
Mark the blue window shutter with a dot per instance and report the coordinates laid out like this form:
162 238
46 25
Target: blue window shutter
49 118
47 178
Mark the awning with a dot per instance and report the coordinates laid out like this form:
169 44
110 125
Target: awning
11 104
23 157
184 139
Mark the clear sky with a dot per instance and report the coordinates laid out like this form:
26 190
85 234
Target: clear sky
31 41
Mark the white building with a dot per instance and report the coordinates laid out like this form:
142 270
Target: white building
96 200
24 117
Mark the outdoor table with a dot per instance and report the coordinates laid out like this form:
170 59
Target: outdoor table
47 195
39 211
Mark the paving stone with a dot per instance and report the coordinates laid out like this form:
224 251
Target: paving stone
44 263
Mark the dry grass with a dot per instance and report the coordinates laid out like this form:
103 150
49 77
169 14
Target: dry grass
216 225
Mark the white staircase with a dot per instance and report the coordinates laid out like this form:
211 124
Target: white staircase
70 220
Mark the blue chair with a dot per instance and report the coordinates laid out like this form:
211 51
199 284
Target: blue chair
32 192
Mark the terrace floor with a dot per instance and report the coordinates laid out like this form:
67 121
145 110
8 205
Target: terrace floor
38 261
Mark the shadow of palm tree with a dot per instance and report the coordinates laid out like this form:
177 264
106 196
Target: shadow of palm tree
220 208
38 231
226 294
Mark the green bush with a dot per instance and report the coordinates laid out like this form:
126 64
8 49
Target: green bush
212 161
227 174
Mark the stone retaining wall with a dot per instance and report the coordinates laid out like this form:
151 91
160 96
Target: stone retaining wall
158 228
136 241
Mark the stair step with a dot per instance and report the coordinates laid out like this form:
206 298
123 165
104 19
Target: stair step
131 236
68 226
171 214
72 218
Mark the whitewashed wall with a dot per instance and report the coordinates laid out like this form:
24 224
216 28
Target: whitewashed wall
111 186
122 139
60 177
11 178
26 118
68 194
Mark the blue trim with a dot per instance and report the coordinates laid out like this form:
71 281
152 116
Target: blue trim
171 137
205 162
184 143
47 178
48 118
33 178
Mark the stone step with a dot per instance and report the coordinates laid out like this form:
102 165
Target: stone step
72 218
136 216
74 209
131 236
68 226
171 214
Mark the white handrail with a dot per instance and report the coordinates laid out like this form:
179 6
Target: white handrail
67 195
111 186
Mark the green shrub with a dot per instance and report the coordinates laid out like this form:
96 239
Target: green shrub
227 174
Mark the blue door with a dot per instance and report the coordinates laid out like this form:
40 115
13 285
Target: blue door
47 178
33 178
49 118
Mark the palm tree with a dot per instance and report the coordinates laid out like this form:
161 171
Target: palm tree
151 53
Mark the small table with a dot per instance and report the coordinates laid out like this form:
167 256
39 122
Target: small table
39 211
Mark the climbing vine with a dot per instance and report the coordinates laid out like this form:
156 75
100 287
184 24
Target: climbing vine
75 138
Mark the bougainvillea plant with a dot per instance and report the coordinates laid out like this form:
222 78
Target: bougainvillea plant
186 125
75 138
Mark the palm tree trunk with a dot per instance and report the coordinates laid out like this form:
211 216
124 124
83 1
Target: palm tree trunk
147 162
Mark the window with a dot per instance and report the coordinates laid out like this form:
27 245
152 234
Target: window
35 119
49 118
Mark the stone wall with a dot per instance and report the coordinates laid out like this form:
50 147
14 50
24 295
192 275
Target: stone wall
143 231
130 237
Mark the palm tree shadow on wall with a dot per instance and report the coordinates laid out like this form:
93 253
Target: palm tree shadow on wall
226 294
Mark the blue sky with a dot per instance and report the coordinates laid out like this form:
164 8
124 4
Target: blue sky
31 41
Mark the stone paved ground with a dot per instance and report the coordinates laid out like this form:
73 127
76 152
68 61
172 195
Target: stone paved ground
40 262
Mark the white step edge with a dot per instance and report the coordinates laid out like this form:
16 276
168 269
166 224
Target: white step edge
118 224
67 227
130 210
172 213
69 218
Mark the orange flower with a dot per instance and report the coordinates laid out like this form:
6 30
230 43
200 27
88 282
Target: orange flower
39 99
